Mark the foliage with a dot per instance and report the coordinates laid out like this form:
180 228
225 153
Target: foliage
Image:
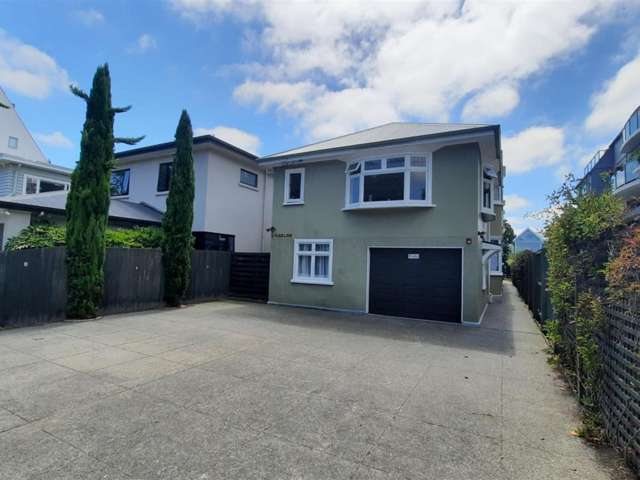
508 236
47 236
177 221
623 271
37 236
576 244
87 207
519 264
589 319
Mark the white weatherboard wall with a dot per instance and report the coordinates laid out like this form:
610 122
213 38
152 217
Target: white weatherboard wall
221 204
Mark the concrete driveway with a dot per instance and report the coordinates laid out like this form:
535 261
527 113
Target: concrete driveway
236 390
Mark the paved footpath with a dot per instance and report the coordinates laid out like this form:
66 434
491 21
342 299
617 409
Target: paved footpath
232 390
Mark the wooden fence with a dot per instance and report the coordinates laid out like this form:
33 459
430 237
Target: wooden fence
619 347
33 282
250 276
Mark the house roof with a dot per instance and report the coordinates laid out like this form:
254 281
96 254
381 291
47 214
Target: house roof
49 167
528 230
55 202
388 134
200 140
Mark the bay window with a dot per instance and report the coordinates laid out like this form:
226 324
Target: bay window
395 181
312 261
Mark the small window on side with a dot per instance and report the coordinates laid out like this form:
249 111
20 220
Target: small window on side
294 186
13 142
164 176
248 178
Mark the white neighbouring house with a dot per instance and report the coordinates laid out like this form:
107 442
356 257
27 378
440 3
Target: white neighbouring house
232 205
24 170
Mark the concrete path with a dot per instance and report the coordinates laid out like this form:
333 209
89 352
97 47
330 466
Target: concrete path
230 390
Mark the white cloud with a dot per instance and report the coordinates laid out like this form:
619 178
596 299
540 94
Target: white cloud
234 136
28 70
534 147
412 60
90 17
612 106
493 102
514 202
54 139
145 42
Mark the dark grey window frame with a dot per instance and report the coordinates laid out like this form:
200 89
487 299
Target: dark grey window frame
169 166
252 174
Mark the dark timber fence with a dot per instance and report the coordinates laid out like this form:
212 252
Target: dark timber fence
619 346
33 282
250 275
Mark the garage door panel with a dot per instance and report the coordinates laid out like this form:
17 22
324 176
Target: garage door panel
417 283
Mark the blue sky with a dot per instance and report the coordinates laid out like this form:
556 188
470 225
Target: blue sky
561 77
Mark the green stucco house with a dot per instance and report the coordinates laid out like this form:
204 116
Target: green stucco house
404 219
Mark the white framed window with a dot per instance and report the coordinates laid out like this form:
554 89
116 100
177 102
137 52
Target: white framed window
294 186
248 179
13 143
495 264
33 185
487 194
399 180
312 261
119 183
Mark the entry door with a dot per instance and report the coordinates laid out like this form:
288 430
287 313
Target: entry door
424 283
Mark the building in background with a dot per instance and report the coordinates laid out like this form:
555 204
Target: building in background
618 167
528 240
24 170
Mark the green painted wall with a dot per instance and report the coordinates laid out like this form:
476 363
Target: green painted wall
448 224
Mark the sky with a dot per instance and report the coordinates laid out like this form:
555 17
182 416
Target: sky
560 77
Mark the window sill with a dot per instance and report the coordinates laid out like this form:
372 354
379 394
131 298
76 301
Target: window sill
255 189
162 194
293 203
377 205
120 197
312 281
501 203
496 274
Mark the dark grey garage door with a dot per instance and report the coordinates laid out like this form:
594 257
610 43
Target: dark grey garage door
423 283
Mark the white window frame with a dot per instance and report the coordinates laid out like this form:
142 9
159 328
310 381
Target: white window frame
66 185
490 181
497 272
115 170
312 279
287 175
247 185
406 170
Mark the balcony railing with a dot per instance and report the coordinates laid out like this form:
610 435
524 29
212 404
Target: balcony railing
594 160
631 132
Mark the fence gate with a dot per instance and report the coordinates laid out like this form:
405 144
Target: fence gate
250 276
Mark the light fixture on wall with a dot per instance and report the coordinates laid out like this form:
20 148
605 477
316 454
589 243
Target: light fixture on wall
468 241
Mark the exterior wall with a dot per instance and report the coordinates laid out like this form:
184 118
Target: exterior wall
221 203
7 176
13 223
496 285
455 192
11 126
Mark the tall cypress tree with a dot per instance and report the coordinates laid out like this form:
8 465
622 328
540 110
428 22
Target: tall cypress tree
87 207
177 221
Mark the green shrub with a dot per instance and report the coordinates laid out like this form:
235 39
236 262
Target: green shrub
46 236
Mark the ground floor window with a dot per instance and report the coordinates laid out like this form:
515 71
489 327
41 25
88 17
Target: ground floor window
312 261
495 263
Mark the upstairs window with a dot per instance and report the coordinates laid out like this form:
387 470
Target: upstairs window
13 143
294 186
33 185
399 180
312 261
248 178
164 177
120 182
487 187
